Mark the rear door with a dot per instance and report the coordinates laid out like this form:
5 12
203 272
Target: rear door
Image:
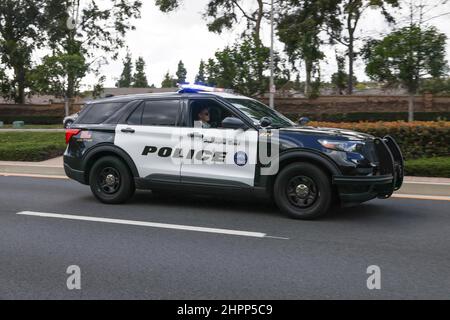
150 135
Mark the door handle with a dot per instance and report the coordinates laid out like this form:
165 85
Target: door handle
128 130
196 135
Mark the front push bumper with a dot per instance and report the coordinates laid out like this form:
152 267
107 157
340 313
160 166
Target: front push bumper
388 178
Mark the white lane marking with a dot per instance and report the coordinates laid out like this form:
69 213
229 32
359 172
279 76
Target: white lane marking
421 197
26 175
146 224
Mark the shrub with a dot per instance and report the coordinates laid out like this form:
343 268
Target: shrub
44 120
416 139
371 116
429 167
36 146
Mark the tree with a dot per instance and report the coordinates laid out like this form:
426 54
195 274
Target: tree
237 67
352 12
169 81
139 77
181 72
299 28
85 30
438 86
99 88
51 77
201 75
20 34
339 80
405 57
224 14
126 77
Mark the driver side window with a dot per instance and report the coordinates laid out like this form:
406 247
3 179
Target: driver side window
207 114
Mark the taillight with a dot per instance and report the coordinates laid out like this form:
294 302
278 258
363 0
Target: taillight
70 133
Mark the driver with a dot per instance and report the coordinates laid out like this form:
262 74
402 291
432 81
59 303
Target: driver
204 118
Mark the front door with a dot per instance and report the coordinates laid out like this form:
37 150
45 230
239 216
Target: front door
212 154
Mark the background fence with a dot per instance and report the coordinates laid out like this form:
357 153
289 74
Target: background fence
326 108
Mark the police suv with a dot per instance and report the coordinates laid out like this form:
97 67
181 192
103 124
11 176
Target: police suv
203 140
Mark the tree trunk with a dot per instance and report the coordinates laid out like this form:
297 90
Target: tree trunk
20 98
308 67
257 37
411 107
350 64
70 86
259 18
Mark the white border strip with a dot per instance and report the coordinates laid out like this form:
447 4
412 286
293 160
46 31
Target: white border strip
27 175
427 183
421 197
145 224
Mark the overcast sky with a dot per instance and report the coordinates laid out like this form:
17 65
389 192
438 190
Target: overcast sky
163 39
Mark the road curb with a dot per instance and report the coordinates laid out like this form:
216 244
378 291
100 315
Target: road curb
440 189
32 170
411 186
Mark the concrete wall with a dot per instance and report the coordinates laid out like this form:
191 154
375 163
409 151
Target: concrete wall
48 110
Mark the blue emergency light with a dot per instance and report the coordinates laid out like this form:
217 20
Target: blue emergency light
197 87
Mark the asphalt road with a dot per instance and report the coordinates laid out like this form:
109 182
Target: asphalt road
408 239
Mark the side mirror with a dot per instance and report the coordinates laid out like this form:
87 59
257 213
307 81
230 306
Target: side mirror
303 121
234 123
265 122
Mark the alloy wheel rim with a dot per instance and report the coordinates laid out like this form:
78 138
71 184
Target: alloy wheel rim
302 192
109 180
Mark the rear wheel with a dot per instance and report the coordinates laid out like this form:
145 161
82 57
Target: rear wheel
303 191
111 181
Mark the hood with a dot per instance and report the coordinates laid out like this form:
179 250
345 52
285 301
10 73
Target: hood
333 132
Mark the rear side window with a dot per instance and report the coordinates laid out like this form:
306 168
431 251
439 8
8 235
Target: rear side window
161 113
99 112
136 117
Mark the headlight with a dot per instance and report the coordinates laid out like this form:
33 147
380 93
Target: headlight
346 146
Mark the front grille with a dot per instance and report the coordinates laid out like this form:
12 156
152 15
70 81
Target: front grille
369 152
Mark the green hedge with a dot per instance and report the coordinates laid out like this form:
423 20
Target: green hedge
372 116
35 146
429 167
32 119
416 139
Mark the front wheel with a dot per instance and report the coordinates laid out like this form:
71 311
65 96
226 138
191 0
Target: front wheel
303 191
111 181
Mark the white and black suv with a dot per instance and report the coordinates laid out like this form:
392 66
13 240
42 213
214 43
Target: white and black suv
155 142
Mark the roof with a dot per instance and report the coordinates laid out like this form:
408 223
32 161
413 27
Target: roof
131 97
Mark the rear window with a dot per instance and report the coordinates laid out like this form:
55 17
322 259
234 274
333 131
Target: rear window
99 112
161 113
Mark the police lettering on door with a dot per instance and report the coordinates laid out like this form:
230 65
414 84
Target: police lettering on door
201 155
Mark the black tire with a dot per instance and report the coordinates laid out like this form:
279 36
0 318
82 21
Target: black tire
305 203
111 181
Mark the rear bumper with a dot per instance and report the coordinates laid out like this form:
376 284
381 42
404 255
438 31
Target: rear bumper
75 174
389 178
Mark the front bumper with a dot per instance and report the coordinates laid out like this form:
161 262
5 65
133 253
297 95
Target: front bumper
388 178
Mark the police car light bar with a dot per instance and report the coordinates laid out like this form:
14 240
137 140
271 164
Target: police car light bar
197 87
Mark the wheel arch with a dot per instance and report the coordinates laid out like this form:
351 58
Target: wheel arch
302 155
108 150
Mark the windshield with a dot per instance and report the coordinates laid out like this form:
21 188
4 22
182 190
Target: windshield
256 111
